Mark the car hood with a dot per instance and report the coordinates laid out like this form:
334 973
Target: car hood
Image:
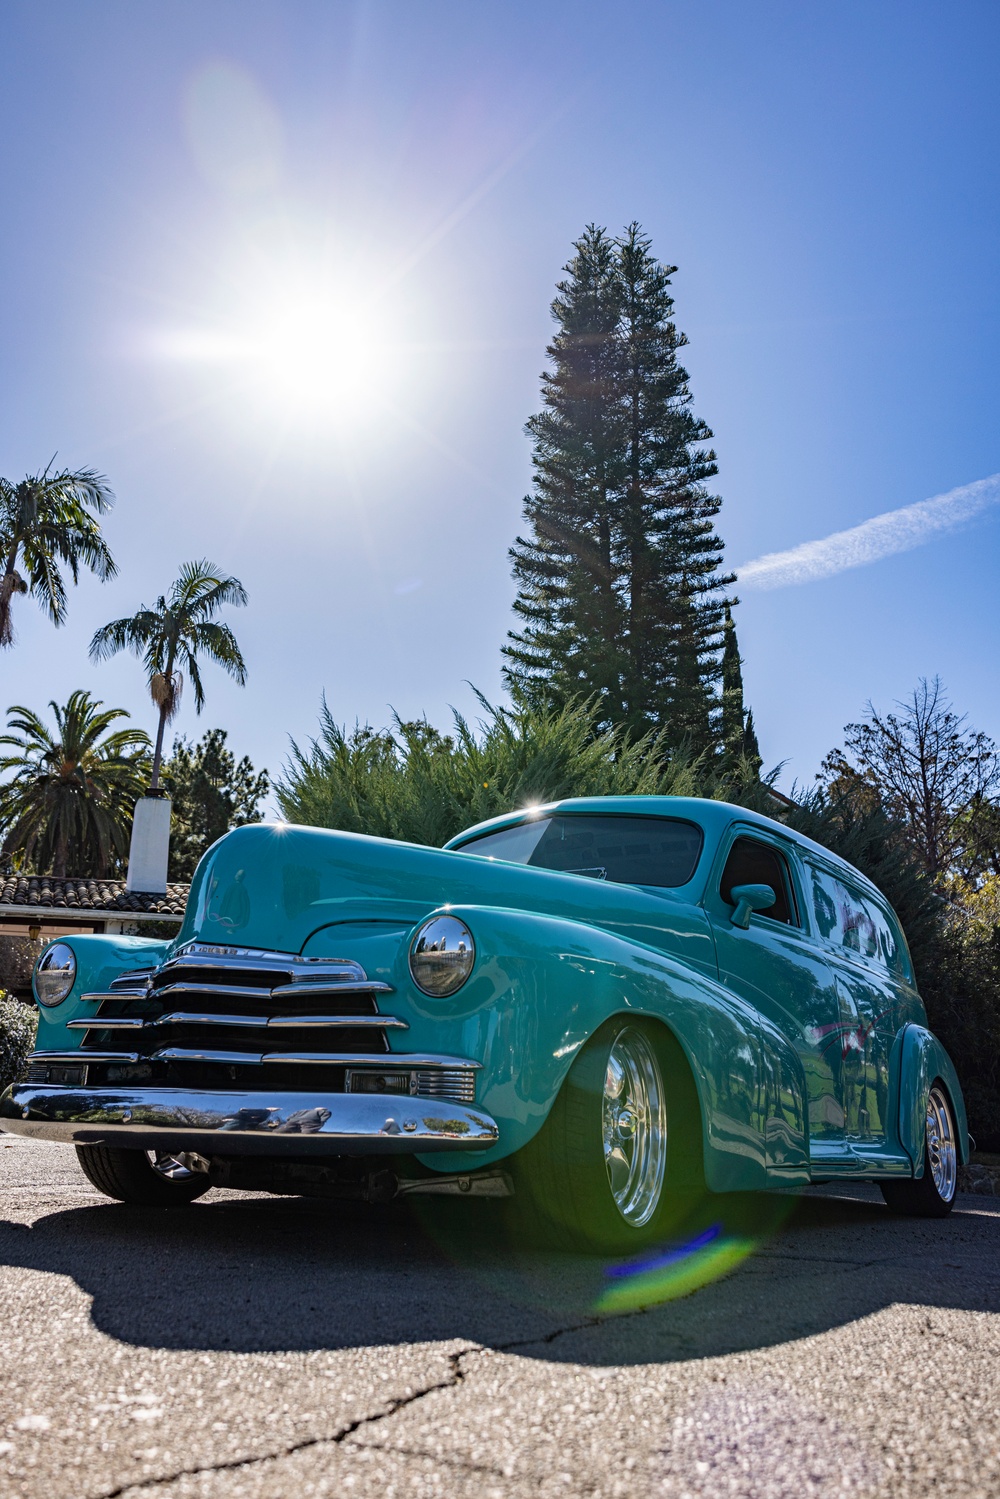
274 885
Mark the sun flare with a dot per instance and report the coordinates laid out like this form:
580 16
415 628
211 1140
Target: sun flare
302 344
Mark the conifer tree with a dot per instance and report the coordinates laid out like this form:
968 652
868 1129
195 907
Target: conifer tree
619 583
739 738
568 598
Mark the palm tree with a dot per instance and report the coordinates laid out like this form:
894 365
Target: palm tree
171 635
44 521
68 806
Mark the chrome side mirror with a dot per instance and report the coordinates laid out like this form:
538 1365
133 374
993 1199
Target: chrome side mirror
750 898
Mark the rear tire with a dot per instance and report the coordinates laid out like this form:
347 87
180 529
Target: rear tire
130 1176
933 1195
619 1159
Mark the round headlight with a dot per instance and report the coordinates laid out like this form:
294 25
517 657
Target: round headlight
441 956
55 974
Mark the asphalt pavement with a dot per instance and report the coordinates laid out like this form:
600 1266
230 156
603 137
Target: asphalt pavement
277 1348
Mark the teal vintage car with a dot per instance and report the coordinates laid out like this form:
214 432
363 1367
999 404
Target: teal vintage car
599 1005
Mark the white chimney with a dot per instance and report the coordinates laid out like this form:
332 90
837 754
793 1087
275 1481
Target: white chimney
150 847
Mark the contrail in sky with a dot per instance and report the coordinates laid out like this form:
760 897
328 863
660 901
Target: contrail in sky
882 536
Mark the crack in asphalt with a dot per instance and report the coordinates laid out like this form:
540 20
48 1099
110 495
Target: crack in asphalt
453 1378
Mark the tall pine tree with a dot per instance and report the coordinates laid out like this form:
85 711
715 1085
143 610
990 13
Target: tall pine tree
569 597
620 590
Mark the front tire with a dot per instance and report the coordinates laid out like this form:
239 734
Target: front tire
933 1196
614 1164
133 1176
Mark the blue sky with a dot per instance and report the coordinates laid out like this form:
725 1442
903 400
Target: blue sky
190 191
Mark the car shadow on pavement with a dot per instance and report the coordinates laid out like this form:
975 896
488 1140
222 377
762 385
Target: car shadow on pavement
252 1274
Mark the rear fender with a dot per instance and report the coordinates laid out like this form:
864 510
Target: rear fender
922 1059
543 985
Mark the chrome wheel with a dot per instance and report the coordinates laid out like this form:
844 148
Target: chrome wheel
942 1154
634 1126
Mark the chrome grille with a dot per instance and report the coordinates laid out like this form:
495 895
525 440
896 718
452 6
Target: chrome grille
453 1083
219 1016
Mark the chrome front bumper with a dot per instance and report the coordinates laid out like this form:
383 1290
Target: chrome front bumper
290 1124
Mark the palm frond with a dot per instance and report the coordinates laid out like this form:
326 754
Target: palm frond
176 630
134 634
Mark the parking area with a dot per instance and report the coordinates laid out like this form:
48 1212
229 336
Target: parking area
252 1346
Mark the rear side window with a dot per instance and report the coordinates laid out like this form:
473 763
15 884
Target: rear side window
625 850
855 922
753 863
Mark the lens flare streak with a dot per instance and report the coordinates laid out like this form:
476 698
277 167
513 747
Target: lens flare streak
674 1272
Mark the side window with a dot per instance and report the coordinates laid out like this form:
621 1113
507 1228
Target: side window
854 921
753 863
891 947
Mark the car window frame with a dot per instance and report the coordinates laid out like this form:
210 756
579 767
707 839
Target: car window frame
786 850
673 891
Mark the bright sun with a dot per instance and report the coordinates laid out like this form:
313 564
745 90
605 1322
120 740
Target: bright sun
317 352
303 344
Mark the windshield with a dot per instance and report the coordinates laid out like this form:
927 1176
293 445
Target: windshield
625 850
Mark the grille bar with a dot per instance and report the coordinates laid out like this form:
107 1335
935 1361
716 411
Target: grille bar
252 1022
392 1060
352 1022
124 1023
194 1054
308 985
101 995
216 991
206 956
401 1061
84 1056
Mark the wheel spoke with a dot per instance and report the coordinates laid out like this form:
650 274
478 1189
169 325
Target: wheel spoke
618 1170
942 1151
634 1124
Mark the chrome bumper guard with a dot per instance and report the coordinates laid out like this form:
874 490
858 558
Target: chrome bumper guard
266 1123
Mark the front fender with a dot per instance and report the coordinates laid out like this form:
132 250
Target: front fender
923 1059
99 959
543 985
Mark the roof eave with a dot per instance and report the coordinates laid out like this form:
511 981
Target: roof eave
84 913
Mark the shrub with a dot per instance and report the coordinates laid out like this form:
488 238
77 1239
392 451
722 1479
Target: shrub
412 782
18 1023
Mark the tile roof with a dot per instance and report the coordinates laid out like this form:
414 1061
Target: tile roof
47 891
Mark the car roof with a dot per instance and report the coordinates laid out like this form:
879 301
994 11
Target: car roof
711 815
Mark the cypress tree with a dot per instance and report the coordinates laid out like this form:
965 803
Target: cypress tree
739 738
619 583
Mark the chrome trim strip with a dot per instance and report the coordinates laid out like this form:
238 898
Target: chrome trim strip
393 1061
306 985
123 1023
251 1123
382 1061
83 1056
101 995
251 991
210 955
200 1017
223 991
192 1054
249 1022
339 1022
